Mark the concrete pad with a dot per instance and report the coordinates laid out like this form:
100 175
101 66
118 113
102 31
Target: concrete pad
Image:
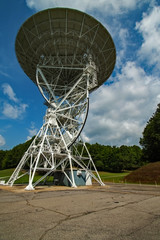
116 211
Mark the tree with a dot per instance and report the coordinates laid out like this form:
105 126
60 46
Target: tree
150 141
106 158
2 156
10 158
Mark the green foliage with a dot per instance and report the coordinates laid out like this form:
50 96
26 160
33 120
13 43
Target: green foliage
151 138
115 159
2 156
106 158
10 158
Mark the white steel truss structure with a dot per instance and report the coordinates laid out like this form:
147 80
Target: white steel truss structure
67 54
58 145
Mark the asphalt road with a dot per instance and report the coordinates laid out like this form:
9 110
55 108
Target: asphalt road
113 212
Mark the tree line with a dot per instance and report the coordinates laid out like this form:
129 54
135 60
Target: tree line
10 158
115 159
106 158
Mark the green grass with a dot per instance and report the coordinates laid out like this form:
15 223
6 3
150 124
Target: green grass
105 176
5 175
113 177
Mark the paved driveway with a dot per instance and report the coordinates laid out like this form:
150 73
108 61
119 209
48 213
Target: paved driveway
113 212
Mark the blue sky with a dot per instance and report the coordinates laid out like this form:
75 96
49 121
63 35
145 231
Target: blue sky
119 110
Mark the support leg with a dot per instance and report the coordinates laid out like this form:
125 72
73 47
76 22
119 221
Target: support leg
71 168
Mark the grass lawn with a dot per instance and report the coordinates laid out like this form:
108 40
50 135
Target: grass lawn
5 175
105 176
113 177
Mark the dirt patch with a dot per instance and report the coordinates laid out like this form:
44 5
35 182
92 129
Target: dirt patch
21 188
149 174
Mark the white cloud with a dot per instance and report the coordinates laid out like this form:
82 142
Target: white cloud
7 90
12 107
14 111
4 74
123 36
120 111
32 131
110 6
2 141
149 27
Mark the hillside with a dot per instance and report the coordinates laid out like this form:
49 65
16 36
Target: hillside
149 174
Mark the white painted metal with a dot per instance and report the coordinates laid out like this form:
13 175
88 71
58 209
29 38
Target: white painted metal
53 148
61 38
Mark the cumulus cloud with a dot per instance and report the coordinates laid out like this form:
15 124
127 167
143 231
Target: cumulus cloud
119 112
149 27
32 131
110 7
14 111
2 141
7 90
12 107
123 37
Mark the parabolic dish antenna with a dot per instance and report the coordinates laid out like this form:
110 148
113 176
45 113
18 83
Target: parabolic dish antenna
67 54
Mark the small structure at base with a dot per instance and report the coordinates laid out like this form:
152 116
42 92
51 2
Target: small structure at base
81 178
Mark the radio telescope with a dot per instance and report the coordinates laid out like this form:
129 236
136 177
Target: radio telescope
67 54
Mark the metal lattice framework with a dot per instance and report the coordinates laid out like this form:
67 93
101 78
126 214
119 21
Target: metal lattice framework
67 54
